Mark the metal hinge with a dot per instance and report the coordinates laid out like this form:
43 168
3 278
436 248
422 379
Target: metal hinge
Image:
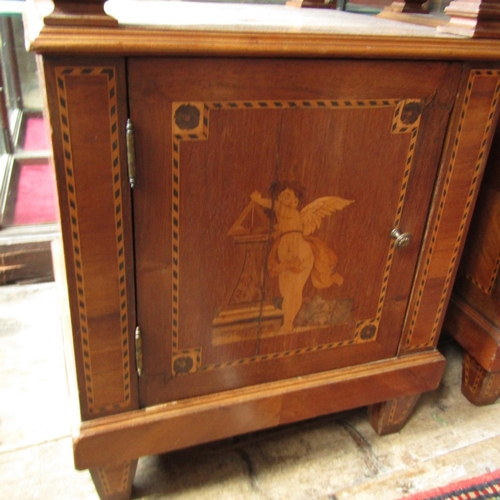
131 153
138 350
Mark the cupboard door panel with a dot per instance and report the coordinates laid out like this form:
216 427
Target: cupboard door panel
263 216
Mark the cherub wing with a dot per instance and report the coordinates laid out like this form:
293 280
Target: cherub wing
312 214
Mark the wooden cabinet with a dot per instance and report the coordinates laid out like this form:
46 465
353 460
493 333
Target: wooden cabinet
473 316
296 220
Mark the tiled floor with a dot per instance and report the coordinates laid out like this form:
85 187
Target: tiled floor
334 457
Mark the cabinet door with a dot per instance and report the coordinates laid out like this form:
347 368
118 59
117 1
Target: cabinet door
266 194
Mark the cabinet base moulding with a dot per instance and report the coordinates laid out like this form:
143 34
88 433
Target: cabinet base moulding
480 340
185 423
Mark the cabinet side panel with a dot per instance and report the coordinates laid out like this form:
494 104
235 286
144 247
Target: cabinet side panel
478 279
469 140
473 317
88 114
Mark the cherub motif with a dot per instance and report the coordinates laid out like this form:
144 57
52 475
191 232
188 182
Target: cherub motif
295 254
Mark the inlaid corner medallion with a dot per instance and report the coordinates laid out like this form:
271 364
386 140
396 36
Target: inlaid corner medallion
279 242
476 122
86 305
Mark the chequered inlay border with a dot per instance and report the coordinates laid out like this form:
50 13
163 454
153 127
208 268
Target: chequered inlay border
493 278
109 74
200 131
467 365
104 480
472 190
491 387
103 476
406 403
390 257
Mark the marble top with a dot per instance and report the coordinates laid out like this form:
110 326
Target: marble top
206 16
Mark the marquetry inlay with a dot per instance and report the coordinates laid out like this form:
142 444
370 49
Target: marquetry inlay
108 74
472 383
115 479
190 121
452 182
400 409
487 289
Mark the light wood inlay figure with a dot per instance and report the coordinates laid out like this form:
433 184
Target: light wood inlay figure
295 254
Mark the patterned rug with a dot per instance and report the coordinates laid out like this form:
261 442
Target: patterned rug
482 487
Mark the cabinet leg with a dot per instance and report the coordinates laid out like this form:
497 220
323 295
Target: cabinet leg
479 386
391 416
114 482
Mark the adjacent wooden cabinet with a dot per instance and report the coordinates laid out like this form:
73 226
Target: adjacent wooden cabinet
296 220
473 315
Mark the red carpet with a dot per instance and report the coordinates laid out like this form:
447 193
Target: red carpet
35 138
36 198
483 487
36 195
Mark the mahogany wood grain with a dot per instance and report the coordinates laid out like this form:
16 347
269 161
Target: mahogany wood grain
198 420
479 337
468 142
79 13
114 482
95 206
473 318
479 386
214 254
272 127
391 416
477 281
343 41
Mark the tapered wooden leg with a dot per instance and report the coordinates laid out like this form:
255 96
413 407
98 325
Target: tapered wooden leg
479 386
114 482
391 416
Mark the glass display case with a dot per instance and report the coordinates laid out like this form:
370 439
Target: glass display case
28 202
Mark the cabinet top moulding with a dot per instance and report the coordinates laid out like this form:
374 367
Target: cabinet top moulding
175 28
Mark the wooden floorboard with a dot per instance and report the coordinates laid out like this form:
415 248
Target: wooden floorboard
330 458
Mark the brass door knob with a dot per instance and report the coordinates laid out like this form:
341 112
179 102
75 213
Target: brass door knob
402 239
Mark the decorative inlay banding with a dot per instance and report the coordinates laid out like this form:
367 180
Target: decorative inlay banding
408 403
473 187
108 74
190 121
121 483
361 326
468 361
492 281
